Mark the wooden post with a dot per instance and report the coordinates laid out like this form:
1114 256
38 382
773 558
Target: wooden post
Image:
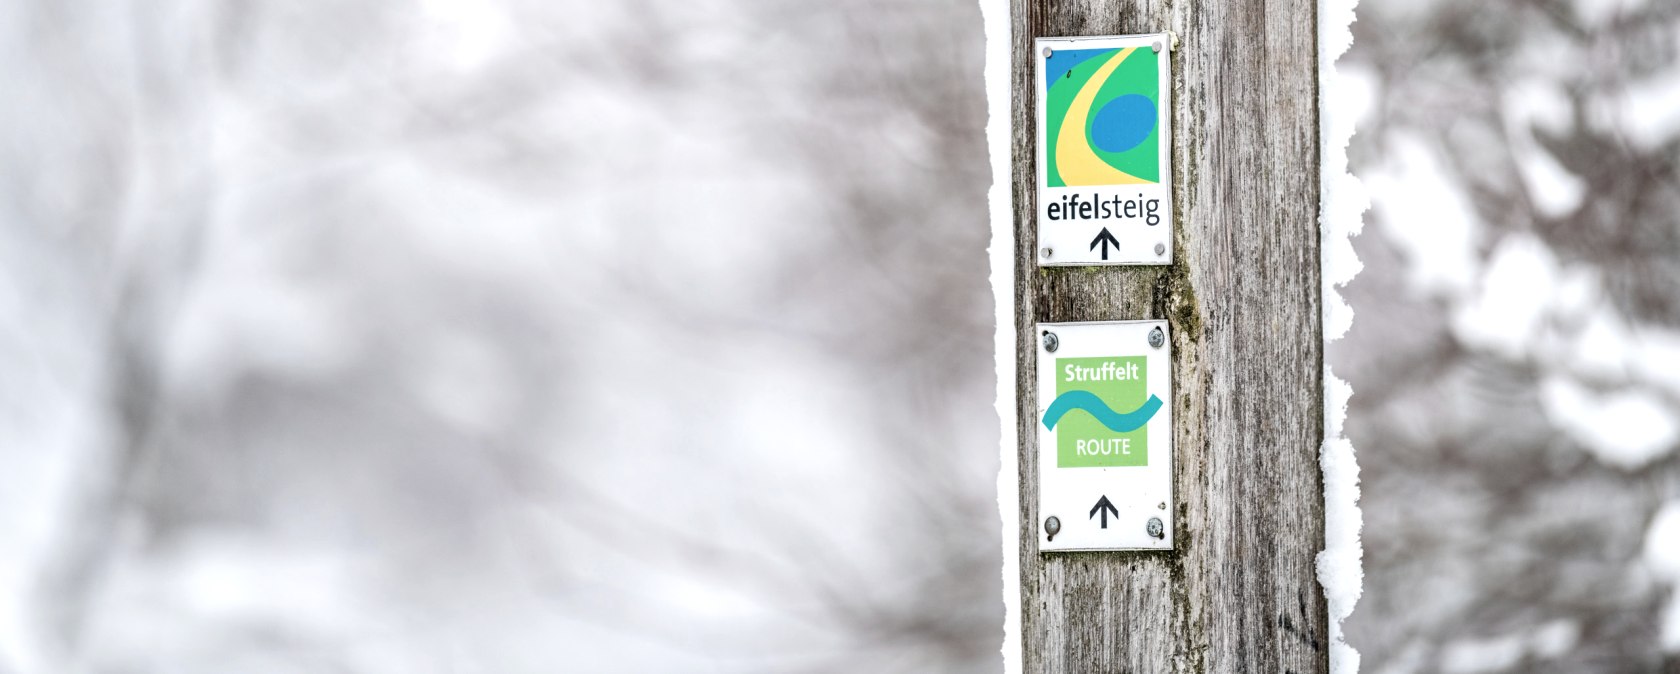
1239 593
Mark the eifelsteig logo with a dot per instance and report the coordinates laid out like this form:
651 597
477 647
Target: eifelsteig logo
1101 123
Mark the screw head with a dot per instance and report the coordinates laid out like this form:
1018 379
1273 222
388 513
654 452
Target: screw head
1052 526
1157 337
1155 528
1155 47
1160 249
1162 506
1050 341
1044 252
1046 52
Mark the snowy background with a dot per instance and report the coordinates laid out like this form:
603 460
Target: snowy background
521 337
1515 353
497 337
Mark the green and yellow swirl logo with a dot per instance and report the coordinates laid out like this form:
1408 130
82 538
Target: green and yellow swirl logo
1101 125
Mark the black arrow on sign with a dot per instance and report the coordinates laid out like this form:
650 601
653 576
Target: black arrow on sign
1106 239
1105 508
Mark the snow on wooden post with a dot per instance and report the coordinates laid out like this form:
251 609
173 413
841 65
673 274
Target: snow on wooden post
1238 591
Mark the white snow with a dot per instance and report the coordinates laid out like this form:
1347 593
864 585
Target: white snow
1539 104
1001 206
1530 308
1469 656
1662 557
1646 112
1554 190
1555 638
1603 347
1625 428
1547 641
1344 98
1597 13
1579 292
1344 196
1426 214
462 35
1657 351
1505 315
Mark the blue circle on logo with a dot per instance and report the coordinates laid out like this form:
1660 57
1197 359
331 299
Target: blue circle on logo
1123 123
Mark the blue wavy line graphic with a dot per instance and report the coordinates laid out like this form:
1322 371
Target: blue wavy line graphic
1088 401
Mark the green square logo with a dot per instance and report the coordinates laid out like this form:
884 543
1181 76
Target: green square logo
1101 108
1082 439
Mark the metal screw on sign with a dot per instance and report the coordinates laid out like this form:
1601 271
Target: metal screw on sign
1052 526
1156 47
1050 341
1044 252
1160 249
1157 338
1046 52
1155 528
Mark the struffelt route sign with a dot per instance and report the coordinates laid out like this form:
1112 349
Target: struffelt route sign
1105 435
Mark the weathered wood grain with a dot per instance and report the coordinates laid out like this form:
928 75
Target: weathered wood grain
1239 593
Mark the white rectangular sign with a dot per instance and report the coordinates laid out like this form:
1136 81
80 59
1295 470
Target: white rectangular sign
1104 111
1105 441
